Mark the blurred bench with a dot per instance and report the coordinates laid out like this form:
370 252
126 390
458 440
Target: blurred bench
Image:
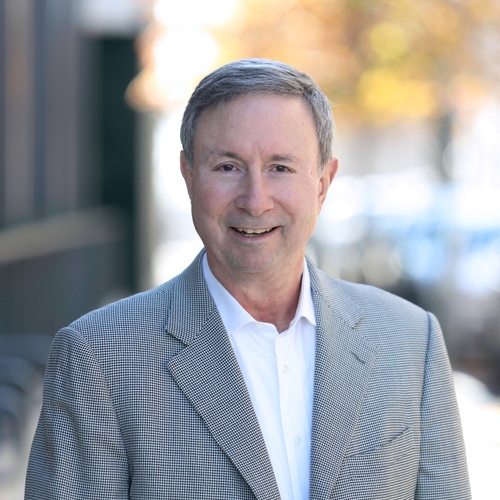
23 358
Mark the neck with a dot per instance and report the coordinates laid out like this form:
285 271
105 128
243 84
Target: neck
270 297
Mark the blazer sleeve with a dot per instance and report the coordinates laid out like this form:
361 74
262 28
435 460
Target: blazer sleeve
77 451
443 467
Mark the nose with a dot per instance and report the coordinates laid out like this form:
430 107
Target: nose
256 196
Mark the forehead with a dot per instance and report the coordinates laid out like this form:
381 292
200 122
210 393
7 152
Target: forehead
269 100
266 121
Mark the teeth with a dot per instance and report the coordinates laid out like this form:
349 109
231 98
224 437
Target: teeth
253 231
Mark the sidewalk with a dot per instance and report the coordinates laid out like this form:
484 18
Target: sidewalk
480 414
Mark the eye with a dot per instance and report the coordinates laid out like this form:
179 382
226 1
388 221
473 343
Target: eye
281 168
227 167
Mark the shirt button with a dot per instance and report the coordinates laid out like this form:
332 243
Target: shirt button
297 441
258 326
286 369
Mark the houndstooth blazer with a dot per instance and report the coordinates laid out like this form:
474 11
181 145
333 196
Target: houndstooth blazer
144 399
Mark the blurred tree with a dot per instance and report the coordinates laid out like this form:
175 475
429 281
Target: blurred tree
380 61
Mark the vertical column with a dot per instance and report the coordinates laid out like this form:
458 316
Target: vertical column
2 113
19 115
39 48
61 107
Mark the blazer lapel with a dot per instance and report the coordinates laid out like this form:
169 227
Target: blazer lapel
208 373
344 361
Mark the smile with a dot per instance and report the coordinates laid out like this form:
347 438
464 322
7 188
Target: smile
252 232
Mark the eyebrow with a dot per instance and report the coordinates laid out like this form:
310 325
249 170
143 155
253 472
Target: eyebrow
274 158
283 158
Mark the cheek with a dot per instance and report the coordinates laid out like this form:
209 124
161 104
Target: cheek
219 193
308 203
207 202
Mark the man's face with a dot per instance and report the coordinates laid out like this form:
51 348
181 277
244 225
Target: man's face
255 188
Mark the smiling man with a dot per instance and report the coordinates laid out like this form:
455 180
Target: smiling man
256 192
252 374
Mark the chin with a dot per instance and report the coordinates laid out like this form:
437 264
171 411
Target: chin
252 264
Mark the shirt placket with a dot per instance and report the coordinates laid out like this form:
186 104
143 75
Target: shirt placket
289 397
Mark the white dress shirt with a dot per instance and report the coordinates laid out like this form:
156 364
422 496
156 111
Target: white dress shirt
279 373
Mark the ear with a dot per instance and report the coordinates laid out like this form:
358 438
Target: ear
326 179
186 172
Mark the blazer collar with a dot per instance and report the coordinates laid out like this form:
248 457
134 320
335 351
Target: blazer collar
330 291
191 304
190 293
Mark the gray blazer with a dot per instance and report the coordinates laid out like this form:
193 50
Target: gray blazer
144 399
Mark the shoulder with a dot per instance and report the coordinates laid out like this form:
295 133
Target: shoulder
136 322
143 318
378 315
128 319
120 337
149 308
374 300
369 299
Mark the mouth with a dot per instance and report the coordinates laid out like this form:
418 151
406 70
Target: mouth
252 233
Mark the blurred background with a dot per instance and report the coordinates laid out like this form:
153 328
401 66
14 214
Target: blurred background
93 207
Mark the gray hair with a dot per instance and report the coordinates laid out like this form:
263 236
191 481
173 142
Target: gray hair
258 76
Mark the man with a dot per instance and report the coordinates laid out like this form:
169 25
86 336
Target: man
252 374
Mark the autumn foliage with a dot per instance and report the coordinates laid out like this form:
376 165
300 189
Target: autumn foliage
380 61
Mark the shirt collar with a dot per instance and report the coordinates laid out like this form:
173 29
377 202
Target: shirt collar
234 316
